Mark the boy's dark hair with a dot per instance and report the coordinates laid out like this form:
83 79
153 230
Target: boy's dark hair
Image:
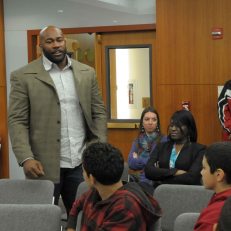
184 117
218 155
104 162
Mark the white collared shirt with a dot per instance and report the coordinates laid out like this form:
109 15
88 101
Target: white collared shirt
72 122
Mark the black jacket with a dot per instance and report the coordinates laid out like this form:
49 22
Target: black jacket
189 159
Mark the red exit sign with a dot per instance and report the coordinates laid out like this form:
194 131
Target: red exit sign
217 33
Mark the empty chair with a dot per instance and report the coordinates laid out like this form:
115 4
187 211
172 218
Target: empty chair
185 221
36 217
19 191
177 199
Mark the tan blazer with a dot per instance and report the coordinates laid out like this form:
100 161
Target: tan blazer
34 113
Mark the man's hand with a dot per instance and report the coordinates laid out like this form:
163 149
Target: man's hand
33 169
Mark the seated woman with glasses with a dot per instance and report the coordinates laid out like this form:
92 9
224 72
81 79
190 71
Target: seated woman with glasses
178 161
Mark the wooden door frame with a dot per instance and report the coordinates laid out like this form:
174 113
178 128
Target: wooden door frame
32 39
32 34
122 133
140 37
4 150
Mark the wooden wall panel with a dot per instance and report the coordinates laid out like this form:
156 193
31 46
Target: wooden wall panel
122 139
190 64
2 48
4 156
121 38
186 52
203 110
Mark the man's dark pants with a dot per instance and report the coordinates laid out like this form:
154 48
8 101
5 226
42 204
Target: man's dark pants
70 178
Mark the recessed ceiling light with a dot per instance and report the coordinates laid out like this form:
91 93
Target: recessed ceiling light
114 2
59 11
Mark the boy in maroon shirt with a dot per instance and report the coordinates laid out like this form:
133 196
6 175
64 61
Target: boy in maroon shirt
110 205
216 175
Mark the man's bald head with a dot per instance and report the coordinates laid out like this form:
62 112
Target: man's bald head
53 45
49 30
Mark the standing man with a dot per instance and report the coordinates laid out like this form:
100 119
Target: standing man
224 110
55 111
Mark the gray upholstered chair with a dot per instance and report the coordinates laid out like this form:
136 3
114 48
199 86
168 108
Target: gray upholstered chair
82 188
36 217
19 191
177 199
79 219
125 175
185 221
157 225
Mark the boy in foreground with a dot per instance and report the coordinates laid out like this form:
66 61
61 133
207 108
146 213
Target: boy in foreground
110 205
216 175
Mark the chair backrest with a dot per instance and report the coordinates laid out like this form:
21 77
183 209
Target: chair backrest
82 188
157 225
79 220
185 221
19 191
125 175
36 217
177 199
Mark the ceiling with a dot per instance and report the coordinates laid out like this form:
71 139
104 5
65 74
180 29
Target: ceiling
138 7
76 13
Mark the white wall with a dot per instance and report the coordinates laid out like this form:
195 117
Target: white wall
23 15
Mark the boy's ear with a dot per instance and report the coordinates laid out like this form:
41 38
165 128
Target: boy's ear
92 179
220 174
